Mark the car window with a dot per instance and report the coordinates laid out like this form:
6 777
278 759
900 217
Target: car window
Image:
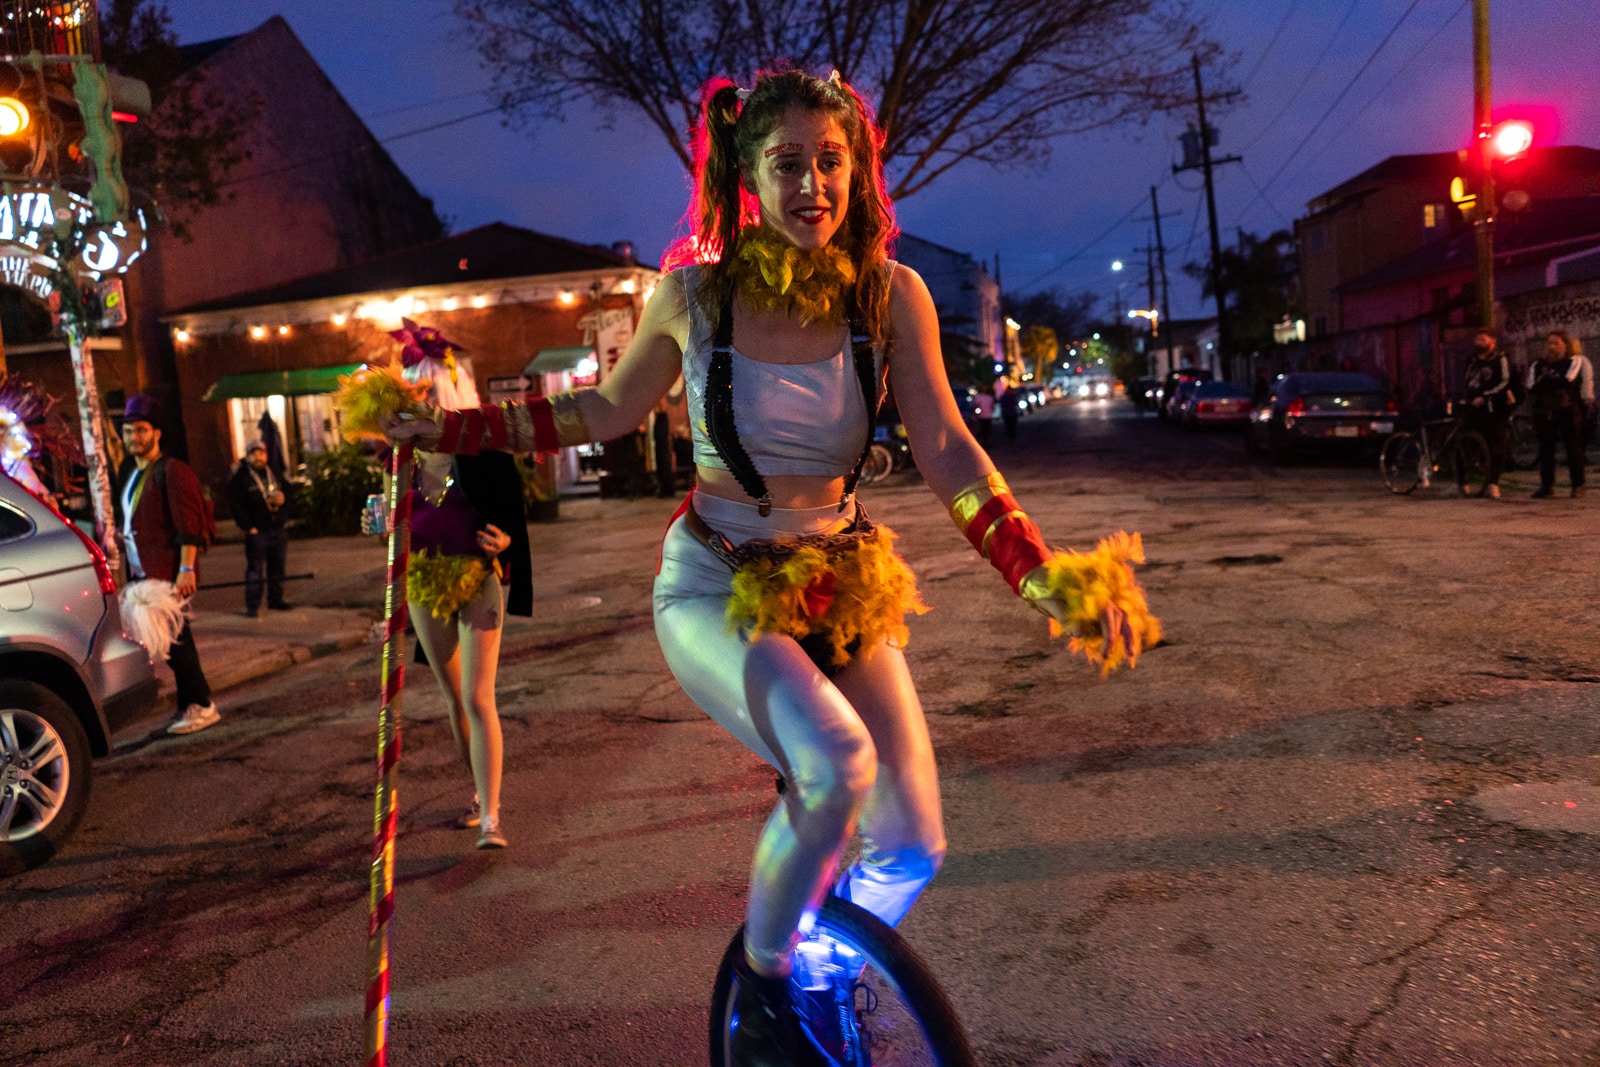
13 524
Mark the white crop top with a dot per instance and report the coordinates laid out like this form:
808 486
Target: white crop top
805 418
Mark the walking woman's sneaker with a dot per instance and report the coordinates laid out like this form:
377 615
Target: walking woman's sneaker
768 1030
489 835
194 717
470 818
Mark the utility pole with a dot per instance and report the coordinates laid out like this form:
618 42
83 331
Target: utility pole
1483 221
1161 259
1205 138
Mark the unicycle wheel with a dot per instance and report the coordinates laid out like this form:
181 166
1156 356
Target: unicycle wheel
900 1016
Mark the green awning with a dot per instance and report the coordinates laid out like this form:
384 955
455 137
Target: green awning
279 383
555 360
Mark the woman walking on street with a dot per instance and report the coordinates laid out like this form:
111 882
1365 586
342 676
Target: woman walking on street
778 604
470 566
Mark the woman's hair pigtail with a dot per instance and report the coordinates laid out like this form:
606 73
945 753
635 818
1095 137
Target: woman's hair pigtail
717 225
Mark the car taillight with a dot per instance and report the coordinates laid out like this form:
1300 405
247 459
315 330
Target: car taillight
1391 408
102 567
1297 406
1206 405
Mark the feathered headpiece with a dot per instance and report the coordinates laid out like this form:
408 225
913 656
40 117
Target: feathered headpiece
418 343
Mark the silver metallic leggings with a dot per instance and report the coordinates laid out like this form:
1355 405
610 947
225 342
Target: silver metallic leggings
855 748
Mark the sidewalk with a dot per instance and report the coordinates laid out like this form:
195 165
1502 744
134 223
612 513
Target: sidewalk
235 649
334 611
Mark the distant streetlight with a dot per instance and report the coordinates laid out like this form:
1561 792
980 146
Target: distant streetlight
1116 264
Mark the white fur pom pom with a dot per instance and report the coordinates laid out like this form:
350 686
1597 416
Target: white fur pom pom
153 614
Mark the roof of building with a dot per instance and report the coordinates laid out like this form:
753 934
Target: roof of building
487 253
1547 229
1431 166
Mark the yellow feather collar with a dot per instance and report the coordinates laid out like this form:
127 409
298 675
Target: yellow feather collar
773 275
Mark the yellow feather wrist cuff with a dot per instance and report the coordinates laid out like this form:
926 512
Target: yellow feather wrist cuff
1074 589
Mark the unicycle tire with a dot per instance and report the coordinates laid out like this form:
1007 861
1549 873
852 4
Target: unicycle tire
903 1017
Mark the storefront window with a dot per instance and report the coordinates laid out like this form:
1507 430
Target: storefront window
318 422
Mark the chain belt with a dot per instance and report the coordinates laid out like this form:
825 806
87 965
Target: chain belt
832 545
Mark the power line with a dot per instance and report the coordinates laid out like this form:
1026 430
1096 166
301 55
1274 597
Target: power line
426 103
362 148
1085 250
1327 46
1261 193
1379 95
1267 51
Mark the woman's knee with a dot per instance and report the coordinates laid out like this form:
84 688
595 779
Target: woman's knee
834 783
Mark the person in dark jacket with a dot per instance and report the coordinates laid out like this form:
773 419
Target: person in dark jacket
1556 385
1488 409
163 522
255 496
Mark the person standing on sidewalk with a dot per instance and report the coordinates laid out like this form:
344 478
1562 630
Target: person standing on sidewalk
256 500
1010 401
1556 384
983 420
1488 411
163 525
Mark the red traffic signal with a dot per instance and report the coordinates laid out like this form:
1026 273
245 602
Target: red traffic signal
1510 140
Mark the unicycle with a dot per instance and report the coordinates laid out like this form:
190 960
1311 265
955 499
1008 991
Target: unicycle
887 1009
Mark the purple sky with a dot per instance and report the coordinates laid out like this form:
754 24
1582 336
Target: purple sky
401 67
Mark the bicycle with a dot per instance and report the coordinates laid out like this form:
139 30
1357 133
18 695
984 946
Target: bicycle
1461 455
877 1003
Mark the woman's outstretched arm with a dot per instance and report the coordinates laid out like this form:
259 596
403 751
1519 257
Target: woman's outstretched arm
1094 596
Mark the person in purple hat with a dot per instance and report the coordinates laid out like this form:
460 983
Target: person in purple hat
162 518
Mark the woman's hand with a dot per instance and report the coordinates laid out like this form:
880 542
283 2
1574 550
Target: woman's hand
406 425
493 540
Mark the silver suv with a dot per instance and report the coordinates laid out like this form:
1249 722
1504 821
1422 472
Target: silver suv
69 678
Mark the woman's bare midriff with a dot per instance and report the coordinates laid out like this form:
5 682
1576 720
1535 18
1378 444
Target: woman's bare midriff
790 491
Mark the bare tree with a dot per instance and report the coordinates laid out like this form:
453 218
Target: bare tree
989 80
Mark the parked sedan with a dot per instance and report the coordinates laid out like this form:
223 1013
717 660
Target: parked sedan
1325 411
68 676
1166 394
1217 404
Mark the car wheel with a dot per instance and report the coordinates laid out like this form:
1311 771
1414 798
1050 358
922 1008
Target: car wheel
44 774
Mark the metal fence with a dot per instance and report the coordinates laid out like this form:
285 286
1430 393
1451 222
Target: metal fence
52 27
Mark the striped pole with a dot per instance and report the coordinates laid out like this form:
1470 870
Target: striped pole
386 810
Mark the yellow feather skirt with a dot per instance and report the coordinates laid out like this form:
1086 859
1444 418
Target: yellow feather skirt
861 594
443 583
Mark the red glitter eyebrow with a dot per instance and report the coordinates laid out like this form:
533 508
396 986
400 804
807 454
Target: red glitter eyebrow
778 149
833 145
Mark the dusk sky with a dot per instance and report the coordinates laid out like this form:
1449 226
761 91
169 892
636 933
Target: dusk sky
1307 123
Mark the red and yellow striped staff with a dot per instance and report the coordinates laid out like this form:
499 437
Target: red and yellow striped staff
386 810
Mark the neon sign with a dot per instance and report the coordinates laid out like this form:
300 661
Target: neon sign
31 217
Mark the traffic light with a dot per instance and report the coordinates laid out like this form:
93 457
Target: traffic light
1509 145
22 147
1510 140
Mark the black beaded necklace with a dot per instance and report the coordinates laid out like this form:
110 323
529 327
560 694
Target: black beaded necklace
724 434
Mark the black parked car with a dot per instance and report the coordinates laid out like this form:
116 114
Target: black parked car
1335 412
1166 393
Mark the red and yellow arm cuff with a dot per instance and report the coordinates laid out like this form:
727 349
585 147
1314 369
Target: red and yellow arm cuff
544 424
999 529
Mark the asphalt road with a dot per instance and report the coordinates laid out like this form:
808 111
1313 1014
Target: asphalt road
1345 814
